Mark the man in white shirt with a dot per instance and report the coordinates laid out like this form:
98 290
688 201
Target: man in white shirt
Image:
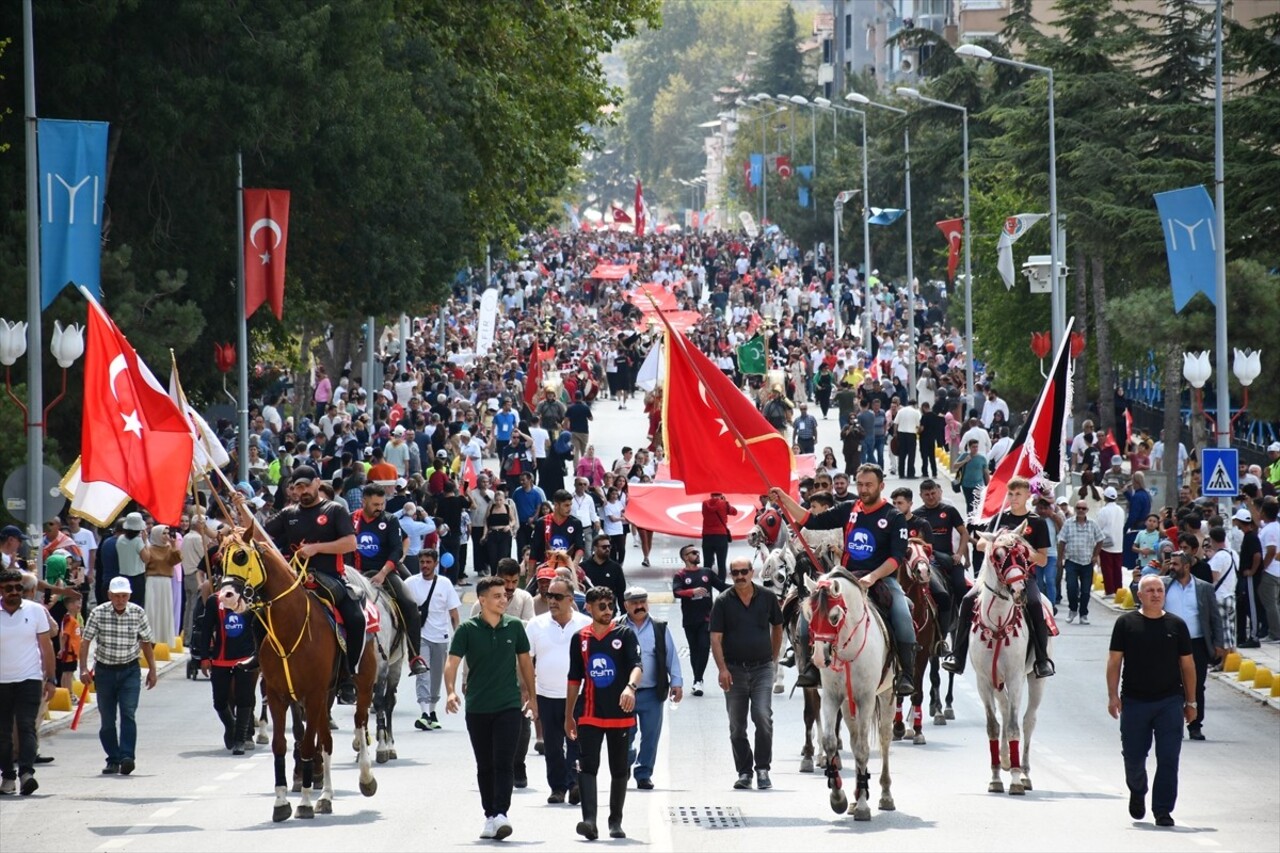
907 427
1111 519
86 541
975 432
1001 448
396 452
1157 457
438 603
26 678
583 506
1269 577
1225 565
992 405
550 637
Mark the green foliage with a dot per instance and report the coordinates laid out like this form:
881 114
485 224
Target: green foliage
782 71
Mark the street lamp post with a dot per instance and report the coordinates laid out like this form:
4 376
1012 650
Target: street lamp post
764 160
968 269
801 100
857 98
1058 310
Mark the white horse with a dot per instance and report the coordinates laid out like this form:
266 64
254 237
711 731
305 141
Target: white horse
851 649
1002 656
390 650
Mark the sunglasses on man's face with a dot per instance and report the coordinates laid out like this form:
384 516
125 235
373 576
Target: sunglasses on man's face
739 573
555 596
11 587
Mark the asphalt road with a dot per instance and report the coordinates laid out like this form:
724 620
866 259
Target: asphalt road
189 793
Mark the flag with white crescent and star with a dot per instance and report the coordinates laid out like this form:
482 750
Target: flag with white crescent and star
133 435
266 237
953 230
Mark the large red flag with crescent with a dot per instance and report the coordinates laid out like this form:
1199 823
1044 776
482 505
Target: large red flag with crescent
266 237
642 211
133 435
953 230
533 377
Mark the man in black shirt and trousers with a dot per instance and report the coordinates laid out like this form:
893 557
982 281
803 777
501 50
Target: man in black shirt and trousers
1152 649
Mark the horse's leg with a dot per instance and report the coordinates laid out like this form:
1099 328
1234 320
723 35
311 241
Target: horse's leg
262 718
860 739
899 728
832 696
380 714
923 650
392 692
307 754
364 698
947 713
778 677
1013 728
281 810
325 804
886 783
1035 692
299 732
812 717
988 694
935 699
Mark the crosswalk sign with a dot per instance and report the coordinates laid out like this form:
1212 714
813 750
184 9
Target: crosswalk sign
1221 472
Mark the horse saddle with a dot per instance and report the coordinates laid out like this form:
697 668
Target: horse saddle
1050 624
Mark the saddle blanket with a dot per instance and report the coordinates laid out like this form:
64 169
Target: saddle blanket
1049 622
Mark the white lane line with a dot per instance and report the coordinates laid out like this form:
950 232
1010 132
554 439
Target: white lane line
1205 841
161 814
226 777
113 844
205 789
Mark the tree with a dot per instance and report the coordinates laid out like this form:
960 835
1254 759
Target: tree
783 68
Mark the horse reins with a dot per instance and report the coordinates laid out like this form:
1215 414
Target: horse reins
263 611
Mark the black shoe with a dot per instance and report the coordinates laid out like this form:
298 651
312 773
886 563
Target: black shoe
126 767
953 664
744 782
1195 734
1249 644
809 677
112 769
417 666
763 782
1044 668
588 830
44 759
1137 806
575 795
522 781
238 749
555 797
347 692
27 784
228 735
423 723
539 747
644 784
1164 820
616 831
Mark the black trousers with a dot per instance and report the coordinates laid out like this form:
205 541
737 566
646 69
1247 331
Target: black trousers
138 589
19 705
699 637
352 615
590 740
493 741
618 548
715 547
928 461
479 551
1200 654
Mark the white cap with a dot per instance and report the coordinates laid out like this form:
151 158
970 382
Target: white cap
1273 447
1243 515
1062 501
399 430
119 584
1109 493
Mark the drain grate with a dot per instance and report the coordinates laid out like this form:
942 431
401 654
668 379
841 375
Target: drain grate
707 817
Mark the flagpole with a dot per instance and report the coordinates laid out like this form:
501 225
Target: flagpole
35 354
242 330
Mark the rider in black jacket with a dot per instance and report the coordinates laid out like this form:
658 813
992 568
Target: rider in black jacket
379 550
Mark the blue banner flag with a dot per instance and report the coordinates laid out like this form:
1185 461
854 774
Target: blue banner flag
73 184
885 215
806 178
757 170
1187 218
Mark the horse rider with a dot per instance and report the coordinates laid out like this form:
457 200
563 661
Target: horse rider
1021 520
918 528
945 520
321 532
379 551
875 545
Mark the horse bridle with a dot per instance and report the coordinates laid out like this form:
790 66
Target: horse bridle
247 562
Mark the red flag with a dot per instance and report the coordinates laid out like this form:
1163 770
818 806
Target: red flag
703 413
1037 451
469 474
746 175
133 436
533 377
642 211
783 166
754 323
620 215
266 236
953 230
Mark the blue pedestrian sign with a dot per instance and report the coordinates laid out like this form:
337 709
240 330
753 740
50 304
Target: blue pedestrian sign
1221 472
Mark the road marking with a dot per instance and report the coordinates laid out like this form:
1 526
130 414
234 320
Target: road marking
161 814
113 844
1204 841
205 789
227 777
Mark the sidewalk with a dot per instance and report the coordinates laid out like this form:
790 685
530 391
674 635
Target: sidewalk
1243 671
56 721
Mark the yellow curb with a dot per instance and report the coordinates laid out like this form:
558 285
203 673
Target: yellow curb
1232 663
1262 679
61 700
162 651
1247 670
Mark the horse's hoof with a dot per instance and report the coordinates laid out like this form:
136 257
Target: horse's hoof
949 714
261 738
995 788
324 806
297 787
1017 789
1026 783
806 765
393 755
369 788
918 740
839 802
861 812
383 756
887 804
939 720
305 813
281 813
899 729
778 688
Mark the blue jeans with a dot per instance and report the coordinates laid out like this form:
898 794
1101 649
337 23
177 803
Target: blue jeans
879 446
900 613
1079 587
118 690
648 726
561 753
1047 578
1138 722
751 691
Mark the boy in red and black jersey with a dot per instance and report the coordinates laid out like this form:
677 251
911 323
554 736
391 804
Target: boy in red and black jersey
605 657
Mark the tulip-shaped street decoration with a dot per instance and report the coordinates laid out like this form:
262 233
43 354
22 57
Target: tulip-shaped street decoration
1247 366
68 344
1195 368
224 356
1077 344
1041 343
13 342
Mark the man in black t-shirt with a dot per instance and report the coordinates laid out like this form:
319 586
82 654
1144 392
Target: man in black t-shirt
557 531
945 520
918 528
1152 650
1019 519
379 550
875 545
449 508
321 531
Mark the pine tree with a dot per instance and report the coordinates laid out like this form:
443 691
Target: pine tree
782 71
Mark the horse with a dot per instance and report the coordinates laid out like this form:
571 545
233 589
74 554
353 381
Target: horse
851 649
390 651
295 672
1002 656
915 575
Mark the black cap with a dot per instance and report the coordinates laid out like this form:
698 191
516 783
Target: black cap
12 531
303 472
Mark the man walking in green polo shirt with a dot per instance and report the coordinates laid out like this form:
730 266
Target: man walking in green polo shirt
499 689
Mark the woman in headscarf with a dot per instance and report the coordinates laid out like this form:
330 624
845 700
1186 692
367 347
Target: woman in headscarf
158 559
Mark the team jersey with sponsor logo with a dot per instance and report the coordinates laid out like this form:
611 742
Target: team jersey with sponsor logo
326 521
602 666
378 541
871 536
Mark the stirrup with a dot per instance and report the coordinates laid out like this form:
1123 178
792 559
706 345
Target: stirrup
347 691
952 663
417 666
903 685
809 677
1044 668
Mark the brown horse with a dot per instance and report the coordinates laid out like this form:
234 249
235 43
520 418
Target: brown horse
915 575
300 659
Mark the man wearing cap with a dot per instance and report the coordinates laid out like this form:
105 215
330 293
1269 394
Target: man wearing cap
804 429
320 532
1251 623
115 634
379 549
1111 519
396 452
27 676
1273 466
11 541
1082 539
660 679
550 637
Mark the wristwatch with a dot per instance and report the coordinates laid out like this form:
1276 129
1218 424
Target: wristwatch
1191 705
632 686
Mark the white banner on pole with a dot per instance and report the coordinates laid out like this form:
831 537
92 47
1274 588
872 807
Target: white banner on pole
488 321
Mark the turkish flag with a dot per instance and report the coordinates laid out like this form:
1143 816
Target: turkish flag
1037 451
266 237
469 474
953 229
642 212
133 436
533 377
703 415
620 215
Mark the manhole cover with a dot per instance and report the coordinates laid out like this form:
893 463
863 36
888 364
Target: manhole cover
707 817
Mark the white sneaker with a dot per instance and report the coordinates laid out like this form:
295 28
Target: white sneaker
697 688
1084 620
501 827
1071 617
489 828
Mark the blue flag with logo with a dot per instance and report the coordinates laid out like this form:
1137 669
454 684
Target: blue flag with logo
73 185
806 178
756 172
1190 240
885 215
